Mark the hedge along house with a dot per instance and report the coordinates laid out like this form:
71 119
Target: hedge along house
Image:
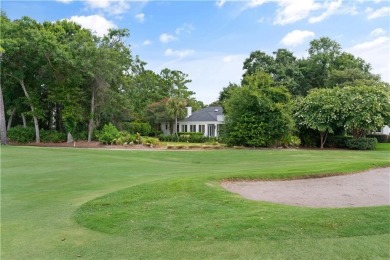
207 121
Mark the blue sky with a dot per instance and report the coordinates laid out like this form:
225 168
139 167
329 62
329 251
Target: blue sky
209 40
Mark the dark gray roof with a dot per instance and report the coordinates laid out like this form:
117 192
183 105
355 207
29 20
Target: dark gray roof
205 114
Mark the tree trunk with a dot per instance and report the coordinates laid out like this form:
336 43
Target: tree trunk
91 117
3 128
35 119
175 126
24 121
11 117
323 136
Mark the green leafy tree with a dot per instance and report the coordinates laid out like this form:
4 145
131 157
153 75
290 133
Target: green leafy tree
258 114
24 46
258 61
176 108
156 113
107 64
175 83
65 80
364 108
145 88
283 68
320 111
225 94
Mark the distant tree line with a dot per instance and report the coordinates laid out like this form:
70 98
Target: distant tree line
59 76
280 97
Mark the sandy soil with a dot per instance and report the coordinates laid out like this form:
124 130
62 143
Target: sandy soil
370 188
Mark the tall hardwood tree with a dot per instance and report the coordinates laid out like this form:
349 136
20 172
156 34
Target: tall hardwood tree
110 60
22 42
3 127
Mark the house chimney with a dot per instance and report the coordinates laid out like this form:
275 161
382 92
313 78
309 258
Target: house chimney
189 111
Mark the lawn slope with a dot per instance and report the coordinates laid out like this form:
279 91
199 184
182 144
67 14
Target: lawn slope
96 204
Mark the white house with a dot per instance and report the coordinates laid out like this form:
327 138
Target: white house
207 121
384 131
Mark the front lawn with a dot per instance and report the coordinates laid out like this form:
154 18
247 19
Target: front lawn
64 203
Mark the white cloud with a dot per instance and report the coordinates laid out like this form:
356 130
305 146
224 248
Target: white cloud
95 4
140 17
371 44
64 1
373 14
108 6
260 20
227 59
165 37
291 11
256 3
377 53
377 32
146 42
332 7
96 23
220 3
296 37
179 54
187 28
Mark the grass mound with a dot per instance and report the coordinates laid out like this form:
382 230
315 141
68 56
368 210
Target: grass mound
191 210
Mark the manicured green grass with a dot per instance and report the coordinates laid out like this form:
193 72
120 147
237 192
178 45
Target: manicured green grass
60 203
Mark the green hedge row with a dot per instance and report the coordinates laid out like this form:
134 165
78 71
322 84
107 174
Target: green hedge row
190 137
380 138
362 143
21 135
24 135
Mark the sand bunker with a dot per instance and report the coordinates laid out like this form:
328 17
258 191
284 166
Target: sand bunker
370 188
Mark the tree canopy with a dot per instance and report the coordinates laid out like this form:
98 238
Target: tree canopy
258 114
65 78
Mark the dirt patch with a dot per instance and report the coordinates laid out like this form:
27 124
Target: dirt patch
97 145
94 144
370 188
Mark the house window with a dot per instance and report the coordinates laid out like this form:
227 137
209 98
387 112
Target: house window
211 130
184 128
177 128
192 128
166 126
201 129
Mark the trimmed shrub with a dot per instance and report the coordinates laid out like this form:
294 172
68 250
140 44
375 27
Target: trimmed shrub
52 136
108 134
187 137
362 143
20 134
168 138
291 141
126 138
337 141
380 138
150 141
143 129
